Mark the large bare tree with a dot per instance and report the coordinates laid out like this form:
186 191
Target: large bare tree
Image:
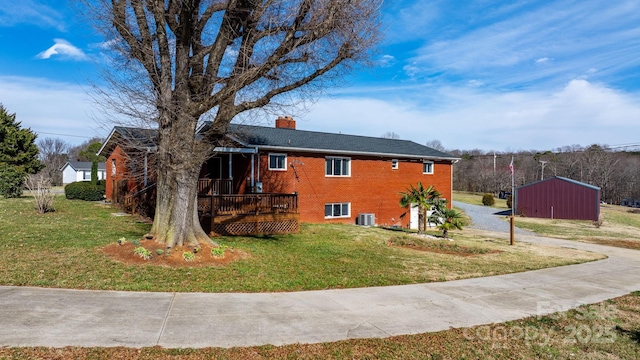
53 154
189 59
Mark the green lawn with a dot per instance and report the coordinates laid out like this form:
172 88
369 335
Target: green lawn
476 199
62 249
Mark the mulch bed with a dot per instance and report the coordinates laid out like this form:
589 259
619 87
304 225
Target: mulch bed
170 257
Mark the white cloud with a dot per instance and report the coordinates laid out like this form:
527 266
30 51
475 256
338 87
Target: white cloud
508 46
63 48
466 118
386 61
411 70
30 12
51 108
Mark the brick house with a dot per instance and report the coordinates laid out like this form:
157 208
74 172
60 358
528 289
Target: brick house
333 177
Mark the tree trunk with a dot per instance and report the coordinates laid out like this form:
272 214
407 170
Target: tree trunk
176 220
179 160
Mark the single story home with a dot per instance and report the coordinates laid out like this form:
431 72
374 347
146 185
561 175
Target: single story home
74 171
322 177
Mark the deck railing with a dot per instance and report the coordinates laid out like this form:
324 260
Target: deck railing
215 186
248 204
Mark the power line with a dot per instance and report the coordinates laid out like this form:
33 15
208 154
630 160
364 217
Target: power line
78 136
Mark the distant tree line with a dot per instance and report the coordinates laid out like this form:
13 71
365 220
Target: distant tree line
616 172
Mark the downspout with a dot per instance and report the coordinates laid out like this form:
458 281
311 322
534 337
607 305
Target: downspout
258 170
452 163
146 161
253 160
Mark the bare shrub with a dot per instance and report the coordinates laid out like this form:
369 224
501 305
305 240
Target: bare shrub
598 223
40 187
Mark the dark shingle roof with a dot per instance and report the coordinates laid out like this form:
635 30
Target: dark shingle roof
292 140
85 165
268 137
137 138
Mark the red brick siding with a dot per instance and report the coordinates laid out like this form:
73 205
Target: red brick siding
373 186
122 171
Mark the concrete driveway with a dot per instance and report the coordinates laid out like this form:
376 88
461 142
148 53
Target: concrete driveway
58 317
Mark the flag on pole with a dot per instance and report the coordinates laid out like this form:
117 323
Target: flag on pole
511 166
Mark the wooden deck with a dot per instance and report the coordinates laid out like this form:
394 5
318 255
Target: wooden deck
249 214
223 213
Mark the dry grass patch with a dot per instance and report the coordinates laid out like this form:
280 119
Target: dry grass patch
620 227
476 253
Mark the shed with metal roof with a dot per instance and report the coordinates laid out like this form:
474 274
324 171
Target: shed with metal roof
559 198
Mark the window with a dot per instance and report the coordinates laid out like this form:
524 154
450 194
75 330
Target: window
394 164
338 166
337 210
427 167
113 166
277 162
86 175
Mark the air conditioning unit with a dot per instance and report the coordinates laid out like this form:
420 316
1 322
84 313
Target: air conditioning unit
366 219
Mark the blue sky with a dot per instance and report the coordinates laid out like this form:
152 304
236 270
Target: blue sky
487 74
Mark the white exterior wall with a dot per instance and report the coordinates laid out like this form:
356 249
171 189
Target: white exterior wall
70 175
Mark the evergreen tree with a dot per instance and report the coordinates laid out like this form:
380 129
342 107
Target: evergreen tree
18 154
91 153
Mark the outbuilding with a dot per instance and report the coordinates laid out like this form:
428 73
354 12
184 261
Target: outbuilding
559 198
74 171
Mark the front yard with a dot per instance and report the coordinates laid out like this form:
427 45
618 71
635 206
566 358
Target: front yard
64 249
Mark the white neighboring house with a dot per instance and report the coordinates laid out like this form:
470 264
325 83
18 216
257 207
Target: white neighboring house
74 171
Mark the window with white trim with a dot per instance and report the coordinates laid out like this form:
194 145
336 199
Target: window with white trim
338 166
337 210
278 162
86 175
427 167
113 167
394 164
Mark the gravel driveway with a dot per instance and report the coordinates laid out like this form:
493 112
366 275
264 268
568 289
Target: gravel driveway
488 218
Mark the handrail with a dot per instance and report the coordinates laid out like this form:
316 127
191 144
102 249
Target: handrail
248 204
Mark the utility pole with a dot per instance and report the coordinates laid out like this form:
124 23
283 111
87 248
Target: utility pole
495 182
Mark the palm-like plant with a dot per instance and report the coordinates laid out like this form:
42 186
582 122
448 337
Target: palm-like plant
451 219
422 198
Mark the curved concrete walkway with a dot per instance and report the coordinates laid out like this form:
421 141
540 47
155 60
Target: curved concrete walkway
57 317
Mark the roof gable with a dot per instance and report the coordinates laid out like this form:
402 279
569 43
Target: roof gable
137 138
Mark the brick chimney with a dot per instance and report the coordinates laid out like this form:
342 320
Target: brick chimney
286 122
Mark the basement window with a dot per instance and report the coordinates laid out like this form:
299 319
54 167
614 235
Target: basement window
337 210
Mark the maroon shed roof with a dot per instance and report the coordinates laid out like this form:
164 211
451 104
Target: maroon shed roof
559 198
